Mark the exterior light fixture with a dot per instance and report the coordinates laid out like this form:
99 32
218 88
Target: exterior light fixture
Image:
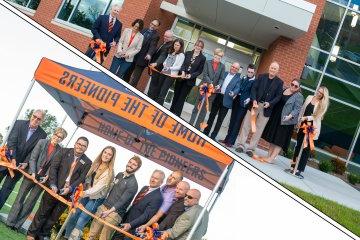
334 53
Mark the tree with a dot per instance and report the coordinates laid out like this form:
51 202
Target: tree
49 123
1 138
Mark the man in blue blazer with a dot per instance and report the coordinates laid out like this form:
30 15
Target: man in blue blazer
22 139
145 205
107 28
240 106
224 99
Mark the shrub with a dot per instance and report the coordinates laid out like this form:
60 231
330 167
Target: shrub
339 166
353 178
326 166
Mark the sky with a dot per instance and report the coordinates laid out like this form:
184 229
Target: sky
249 207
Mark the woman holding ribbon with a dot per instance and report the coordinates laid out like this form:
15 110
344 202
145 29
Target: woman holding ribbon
129 45
97 184
172 63
311 114
192 67
282 121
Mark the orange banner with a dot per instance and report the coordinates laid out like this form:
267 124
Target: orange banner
126 106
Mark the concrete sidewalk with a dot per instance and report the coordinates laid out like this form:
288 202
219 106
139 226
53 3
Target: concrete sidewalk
315 181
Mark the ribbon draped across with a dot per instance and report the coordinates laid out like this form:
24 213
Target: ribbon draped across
309 132
253 120
153 69
99 48
5 162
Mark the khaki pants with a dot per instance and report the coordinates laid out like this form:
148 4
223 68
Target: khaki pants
99 228
246 127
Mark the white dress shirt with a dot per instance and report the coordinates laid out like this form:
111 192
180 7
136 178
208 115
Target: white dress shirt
226 82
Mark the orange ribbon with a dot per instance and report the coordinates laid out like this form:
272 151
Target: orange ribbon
7 164
153 233
3 152
309 132
99 48
205 91
153 69
253 120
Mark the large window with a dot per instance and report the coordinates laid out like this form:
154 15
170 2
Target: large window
334 61
83 13
31 4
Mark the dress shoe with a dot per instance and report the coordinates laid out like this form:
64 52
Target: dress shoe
228 145
250 153
222 141
299 175
240 149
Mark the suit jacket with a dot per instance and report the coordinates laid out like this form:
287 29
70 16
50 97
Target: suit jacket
135 46
100 30
17 140
233 86
196 67
39 156
185 221
141 212
273 94
293 107
245 90
176 209
148 47
211 76
60 168
161 54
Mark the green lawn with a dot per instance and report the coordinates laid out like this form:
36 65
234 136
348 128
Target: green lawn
8 234
347 217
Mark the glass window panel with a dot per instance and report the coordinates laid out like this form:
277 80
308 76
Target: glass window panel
338 129
189 46
87 12
342 91
310 78
316 59
328 26
256 58
209 36
191 98
349 37
20 2
344 70
195 34
114 2
355 4
183 29
343 2
240 46
66 9
34 4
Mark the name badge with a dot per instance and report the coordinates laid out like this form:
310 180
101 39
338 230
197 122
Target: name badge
82 162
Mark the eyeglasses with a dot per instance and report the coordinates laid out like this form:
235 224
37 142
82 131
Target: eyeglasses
59 136
294 85
81 145
37 117
189 197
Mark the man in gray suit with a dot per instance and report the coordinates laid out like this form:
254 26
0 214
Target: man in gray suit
214 73
39 164
185 221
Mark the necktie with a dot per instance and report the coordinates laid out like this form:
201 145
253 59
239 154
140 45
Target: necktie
141 195
111 24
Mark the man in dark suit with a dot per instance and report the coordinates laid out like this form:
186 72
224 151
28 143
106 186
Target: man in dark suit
224 99
265 93
22 139
240 106
142 59
145 205
160 56
107 28
67 170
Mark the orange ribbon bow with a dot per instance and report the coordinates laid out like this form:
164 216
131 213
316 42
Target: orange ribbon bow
99 48
309 132
5 158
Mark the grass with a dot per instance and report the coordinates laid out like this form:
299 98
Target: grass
345 216
8 234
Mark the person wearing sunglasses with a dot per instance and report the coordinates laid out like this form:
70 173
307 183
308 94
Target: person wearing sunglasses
186 221
29 192
22 139
281 123
312 111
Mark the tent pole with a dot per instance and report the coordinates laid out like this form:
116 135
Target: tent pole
72 135
63 121
19 110
214 191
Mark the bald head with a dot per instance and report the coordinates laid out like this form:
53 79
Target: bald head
174 178
234 68
192 197
181 189
273 69
168 36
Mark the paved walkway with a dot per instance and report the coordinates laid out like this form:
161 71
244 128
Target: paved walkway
315 181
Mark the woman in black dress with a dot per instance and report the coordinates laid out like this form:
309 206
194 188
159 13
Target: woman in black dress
283 118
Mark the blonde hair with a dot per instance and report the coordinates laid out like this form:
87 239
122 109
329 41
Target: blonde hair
323 104
219 52
97 162
61 131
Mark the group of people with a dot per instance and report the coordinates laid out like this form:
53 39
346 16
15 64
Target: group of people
277 110
113 198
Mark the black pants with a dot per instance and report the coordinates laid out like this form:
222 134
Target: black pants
135 77
181 90
238 113
155 86
8 185
46 216
216 109
305 153
165 85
